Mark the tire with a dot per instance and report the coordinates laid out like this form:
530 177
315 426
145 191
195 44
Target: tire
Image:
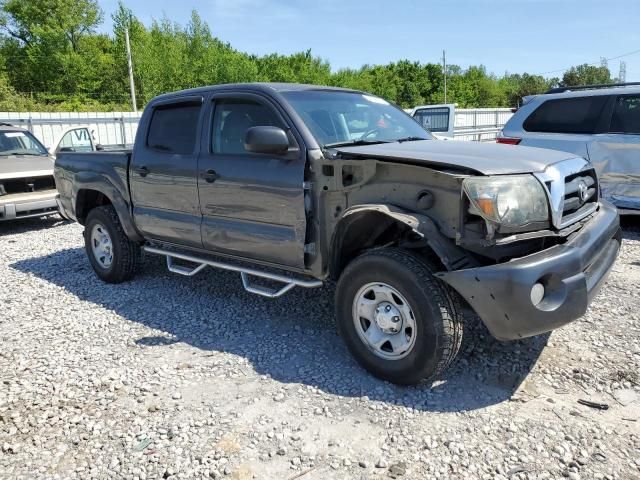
124 257
431 329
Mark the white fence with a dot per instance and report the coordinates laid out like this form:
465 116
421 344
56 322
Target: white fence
479 124
109 128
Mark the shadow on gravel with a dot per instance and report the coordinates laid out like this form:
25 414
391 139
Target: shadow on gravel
292 339
13 227
630 225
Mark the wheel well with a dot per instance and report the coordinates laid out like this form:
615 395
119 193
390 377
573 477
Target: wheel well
87 200
365 231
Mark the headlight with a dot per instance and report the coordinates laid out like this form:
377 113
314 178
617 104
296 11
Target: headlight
514 200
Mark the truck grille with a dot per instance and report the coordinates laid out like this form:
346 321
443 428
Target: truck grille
580 196
572 186
25 185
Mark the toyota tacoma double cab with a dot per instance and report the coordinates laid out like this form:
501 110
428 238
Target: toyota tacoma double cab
297 185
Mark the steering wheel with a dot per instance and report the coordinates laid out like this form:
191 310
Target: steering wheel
370 132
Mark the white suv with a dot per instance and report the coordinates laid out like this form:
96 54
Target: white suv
600 123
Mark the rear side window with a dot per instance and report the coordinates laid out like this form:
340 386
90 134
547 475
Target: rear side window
626 115
433 119
173 128
567 115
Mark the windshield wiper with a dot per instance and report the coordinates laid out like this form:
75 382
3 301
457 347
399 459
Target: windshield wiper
410 139
19 152
354 143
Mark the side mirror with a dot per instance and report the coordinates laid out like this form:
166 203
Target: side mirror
266 140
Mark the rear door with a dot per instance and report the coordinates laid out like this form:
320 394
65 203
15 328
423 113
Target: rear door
163 173
252 204
616 153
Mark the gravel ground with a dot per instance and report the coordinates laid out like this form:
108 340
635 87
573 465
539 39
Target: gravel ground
174 377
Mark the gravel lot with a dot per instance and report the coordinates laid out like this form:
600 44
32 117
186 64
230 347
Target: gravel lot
174 377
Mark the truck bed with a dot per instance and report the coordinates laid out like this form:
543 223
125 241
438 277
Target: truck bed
106 172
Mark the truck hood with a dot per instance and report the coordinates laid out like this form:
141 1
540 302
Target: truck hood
20 166
482 158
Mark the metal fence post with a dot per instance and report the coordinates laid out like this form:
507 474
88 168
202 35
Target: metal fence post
123 132
30 124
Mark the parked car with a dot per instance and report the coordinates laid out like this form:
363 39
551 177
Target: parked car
27 187
448 122
438 119
600 123
269 180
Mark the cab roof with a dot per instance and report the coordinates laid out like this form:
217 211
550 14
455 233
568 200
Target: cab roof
254 86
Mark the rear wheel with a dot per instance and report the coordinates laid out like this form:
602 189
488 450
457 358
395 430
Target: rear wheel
400 322
112 255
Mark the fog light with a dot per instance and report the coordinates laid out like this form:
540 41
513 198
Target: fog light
537 293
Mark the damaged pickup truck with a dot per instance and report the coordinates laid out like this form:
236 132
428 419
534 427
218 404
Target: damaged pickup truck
294 185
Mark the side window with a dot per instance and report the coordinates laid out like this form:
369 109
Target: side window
434 119
233 118
626 115
173 128
567 115
76 140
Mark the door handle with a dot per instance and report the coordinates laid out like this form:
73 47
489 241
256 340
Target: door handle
142 171
210 176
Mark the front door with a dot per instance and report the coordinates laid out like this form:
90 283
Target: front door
616 154
252 204
163 173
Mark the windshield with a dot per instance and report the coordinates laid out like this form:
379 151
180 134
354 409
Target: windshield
20 143
338 118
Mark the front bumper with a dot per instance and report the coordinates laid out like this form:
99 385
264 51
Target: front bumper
25 205
571 273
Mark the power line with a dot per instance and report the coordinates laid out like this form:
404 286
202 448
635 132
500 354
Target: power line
592 63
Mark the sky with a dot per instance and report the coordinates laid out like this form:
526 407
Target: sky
515 36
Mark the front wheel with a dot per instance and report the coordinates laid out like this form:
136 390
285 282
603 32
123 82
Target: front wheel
112 255
400 322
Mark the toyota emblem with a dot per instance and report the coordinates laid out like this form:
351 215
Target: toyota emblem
583 191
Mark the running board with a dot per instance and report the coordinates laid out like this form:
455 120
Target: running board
245 273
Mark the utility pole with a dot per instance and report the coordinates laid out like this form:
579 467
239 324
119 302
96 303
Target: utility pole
622 75
131 83
444 72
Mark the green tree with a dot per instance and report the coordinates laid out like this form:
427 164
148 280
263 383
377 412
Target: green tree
32 20
58 61
517 86
586 75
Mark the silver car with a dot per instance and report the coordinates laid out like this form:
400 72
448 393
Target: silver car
599 123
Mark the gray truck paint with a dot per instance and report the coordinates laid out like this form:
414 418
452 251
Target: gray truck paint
312 210
481 158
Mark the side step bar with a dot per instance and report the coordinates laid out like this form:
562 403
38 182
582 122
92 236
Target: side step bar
245 273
